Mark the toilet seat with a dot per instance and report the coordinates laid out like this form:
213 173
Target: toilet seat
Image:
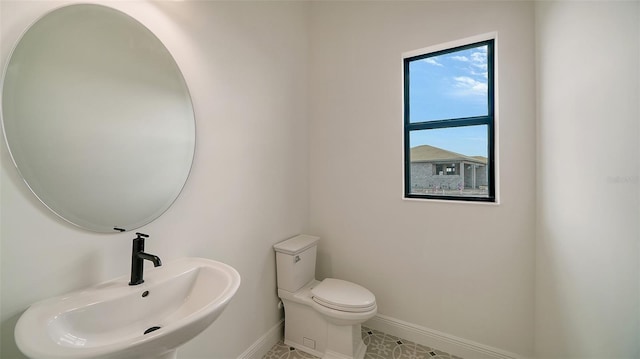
344 296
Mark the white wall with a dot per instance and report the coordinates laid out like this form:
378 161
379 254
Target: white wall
463 269
246 67
587 257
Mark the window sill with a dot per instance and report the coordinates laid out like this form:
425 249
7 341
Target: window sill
459 201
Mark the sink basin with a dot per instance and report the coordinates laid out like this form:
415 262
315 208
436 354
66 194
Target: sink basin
175 303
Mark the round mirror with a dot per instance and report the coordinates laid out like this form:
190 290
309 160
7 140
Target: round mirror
98 118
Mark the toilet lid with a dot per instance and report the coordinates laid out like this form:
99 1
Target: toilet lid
342 295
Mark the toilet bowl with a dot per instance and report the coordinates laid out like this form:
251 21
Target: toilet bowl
322 318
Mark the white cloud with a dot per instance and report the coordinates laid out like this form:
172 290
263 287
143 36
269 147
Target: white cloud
483 74
460 58
473 69
469 86
481 66
479 59
432 61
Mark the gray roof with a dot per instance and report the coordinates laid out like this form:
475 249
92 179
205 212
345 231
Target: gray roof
426 153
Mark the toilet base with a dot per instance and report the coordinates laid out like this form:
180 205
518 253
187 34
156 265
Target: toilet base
357 349
303 348
308 331
304 328
344 342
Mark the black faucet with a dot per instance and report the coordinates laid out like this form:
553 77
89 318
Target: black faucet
137 259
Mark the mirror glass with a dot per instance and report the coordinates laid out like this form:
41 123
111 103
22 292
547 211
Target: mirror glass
98 118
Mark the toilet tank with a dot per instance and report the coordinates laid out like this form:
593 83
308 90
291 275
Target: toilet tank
296 261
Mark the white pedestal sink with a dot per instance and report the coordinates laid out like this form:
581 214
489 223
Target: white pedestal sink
175 303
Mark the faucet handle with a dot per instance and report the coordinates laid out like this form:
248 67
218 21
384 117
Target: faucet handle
141 235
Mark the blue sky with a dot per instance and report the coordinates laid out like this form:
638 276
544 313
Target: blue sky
452 85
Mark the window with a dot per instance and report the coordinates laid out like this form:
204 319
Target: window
446 169
449 124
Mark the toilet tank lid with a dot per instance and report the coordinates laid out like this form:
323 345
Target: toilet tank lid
296 244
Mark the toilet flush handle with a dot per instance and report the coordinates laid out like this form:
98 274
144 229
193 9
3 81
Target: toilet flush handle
296 259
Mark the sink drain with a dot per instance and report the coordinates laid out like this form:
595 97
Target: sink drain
152 329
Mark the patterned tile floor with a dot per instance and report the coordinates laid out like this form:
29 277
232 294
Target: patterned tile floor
379 346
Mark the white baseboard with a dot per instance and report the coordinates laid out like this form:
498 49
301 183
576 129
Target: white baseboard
464 348
262 346
451 344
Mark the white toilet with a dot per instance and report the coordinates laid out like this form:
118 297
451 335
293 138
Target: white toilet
321 318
